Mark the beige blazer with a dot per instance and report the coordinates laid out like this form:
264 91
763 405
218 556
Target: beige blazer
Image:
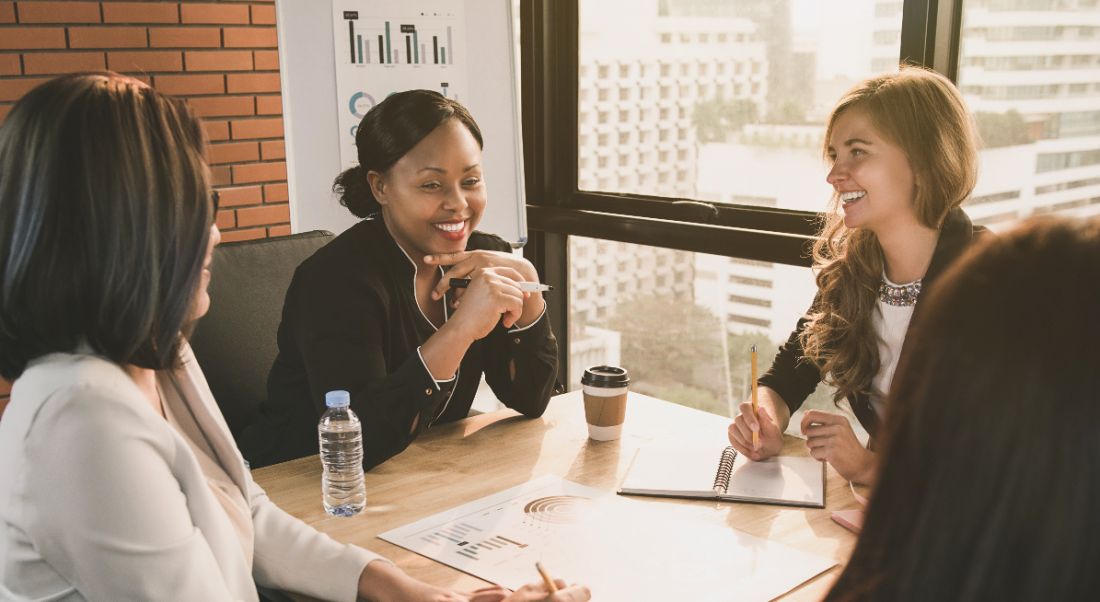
101 499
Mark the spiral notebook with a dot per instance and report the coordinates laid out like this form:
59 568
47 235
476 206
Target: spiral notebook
723 474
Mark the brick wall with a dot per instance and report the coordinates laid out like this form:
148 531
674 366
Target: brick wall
220 56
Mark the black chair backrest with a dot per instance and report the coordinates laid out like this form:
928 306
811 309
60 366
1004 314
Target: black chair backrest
235 342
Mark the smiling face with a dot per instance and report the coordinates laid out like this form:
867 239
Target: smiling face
871 176
434 196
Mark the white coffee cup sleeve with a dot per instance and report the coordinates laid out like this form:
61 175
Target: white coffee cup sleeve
605 433
604 391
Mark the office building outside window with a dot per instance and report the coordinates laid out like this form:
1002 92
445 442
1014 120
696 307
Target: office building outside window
1030 73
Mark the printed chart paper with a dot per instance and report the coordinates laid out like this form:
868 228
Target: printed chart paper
622 549
382 47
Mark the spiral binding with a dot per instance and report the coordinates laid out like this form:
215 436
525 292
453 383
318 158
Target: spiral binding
725 468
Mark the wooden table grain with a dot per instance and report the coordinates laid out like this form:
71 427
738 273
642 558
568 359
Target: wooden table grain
456 463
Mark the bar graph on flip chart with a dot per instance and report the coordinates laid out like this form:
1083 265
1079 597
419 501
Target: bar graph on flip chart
386 47
393 43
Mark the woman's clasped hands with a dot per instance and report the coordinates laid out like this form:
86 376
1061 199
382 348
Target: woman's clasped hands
493 295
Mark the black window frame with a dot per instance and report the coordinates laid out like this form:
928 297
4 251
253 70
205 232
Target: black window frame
557 208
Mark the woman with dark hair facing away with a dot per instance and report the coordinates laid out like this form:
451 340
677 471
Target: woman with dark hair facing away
372 313
903 158
119 479
988 487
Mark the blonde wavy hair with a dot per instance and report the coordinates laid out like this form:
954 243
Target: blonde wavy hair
922 113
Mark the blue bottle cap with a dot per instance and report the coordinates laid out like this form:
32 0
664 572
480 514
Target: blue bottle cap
337 399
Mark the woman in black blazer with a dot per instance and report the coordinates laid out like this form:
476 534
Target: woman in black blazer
372 312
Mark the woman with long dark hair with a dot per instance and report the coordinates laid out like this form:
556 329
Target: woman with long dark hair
372 312
903 159
988 487
119 479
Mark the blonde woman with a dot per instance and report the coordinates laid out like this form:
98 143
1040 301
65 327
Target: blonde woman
903 159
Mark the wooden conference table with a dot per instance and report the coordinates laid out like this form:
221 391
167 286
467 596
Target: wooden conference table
457 463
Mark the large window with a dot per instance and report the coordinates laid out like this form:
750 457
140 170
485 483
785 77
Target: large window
722 102
1035 94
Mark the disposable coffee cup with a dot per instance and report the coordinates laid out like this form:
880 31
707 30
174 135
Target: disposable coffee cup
605 390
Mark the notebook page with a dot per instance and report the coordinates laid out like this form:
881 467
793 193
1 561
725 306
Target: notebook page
785 479
673 471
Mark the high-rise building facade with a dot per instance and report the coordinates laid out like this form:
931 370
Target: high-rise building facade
1030 73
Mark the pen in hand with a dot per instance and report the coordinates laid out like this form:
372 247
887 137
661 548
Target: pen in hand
527 287
546 578
755 405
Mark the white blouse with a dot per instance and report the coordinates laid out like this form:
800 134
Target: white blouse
890 323
102 499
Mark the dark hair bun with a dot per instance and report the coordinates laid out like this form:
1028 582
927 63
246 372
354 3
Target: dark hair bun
355 192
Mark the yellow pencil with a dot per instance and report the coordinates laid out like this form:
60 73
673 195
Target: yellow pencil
546 578
755 412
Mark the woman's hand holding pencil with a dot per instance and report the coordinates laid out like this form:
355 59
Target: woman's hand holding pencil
761 422
550 590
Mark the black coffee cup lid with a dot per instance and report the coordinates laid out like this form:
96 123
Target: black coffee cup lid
605 376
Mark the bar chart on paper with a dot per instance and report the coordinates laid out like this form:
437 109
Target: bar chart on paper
382 47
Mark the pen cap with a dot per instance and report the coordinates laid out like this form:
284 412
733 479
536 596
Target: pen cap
605 377
337 399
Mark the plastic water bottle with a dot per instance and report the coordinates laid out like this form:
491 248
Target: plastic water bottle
341 436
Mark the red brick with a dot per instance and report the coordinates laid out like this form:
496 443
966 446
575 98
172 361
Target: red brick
267 60
233 152
252 82
223 106
250 37
218 60
257 128
185 37
191 12
273 149
59 12
279 230
259 172
183 85
269 105
226 219
220 175
239 235
62 62
263 15
216 130
4 110
152 60
27 38
244 195
107 37
257 216
7 12
5 387
9 64
12 90
276 193
141 12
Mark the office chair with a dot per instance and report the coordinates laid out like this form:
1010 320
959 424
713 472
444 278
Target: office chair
235 343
